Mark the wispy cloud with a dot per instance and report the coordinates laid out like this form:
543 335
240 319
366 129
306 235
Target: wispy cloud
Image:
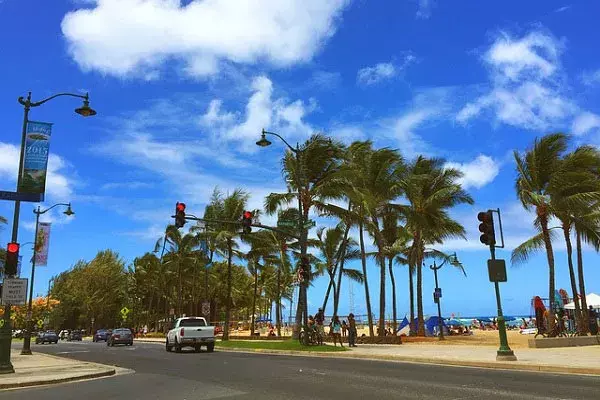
126 185
477 173
383 71
562 9
591 78
424 8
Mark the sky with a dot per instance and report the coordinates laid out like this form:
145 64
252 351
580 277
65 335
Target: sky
183 89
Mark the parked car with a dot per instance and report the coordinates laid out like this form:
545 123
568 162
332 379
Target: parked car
120 336
101 335
75 336
191 332
46 337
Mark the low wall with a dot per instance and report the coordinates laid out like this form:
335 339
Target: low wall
379 340
265 337
546 343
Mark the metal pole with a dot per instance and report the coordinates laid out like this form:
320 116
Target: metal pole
6 366
439 306
26 351
504 353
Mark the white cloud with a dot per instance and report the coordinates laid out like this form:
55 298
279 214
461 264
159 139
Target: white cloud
261 111
135 37
562 9
477 173
585 122
527 90
126 185
402 129
591 78
58 185
382 71
424 8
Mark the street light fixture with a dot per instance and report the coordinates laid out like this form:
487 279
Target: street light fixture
453 259
27 337
85 110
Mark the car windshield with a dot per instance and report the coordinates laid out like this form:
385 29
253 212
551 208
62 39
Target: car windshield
192 322
51 333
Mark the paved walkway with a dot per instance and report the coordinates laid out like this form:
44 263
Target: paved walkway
43 369
578 360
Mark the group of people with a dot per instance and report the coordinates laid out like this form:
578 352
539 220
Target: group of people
336 328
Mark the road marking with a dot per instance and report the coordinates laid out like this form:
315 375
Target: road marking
74 351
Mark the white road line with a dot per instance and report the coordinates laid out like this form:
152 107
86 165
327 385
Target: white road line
74 351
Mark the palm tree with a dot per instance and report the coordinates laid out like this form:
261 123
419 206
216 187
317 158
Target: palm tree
431 190
228 208
536 170
308 174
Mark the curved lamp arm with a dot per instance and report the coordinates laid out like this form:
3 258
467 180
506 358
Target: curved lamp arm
39 103
282 139
48 209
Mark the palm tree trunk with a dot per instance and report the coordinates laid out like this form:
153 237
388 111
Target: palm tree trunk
584 307
340 272
363 259
326 299
340 261
381 259
229 282
411 293
278 301
419 259
393 281
253 323
551 272
567 233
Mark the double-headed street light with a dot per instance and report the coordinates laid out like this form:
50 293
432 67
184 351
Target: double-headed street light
27 337
437 295
85 110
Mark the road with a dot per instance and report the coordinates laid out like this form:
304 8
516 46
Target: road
227 375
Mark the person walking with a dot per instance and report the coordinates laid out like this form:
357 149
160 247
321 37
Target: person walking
336 331
344 328
351 331
593 321
320 319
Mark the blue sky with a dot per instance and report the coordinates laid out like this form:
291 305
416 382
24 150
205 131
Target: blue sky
182 90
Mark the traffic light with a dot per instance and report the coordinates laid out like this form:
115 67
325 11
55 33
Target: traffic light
247 222
488 236
12 259
179 215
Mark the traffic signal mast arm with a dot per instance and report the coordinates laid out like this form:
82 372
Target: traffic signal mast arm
191 217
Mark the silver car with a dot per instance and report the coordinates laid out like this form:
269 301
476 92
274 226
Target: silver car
120 336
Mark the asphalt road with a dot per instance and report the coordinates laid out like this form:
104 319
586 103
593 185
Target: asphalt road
226 375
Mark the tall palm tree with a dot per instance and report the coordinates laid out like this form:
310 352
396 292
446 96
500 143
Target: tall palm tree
308 175
536 170
227 208
431 190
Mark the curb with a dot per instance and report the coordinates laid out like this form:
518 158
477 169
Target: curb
43 382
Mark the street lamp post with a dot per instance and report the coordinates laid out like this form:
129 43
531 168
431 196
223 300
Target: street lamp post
6 366
437 297
27 337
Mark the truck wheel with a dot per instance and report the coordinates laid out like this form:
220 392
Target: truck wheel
210 347
177 347
168 347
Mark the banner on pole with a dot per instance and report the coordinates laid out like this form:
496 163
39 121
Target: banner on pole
19 264
35 164
42 243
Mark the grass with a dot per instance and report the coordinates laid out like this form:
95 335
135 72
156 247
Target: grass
293 345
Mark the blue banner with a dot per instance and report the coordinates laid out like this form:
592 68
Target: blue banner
35 165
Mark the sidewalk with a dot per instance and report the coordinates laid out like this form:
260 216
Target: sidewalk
574 360
44 369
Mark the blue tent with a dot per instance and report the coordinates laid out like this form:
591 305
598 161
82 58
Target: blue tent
431 325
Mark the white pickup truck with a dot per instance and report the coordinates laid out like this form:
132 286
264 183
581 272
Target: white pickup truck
191 332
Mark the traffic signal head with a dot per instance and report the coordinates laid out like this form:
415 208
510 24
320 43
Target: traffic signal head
247 221
486 227
12 259
179 215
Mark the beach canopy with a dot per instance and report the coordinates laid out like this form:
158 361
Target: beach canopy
591 299
431 325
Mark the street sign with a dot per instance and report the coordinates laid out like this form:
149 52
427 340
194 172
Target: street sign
16 196
124 311
309 224
287 224
497 270
205 308
14 291
438 293
40 323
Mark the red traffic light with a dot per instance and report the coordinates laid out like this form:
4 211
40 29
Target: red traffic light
12 247
247 215
180 207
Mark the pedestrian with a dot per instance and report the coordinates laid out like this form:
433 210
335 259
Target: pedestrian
344 328
336 330
351 330
319 320
593 321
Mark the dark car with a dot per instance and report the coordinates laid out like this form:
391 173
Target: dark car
75 336
101 335
120 336
46 337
